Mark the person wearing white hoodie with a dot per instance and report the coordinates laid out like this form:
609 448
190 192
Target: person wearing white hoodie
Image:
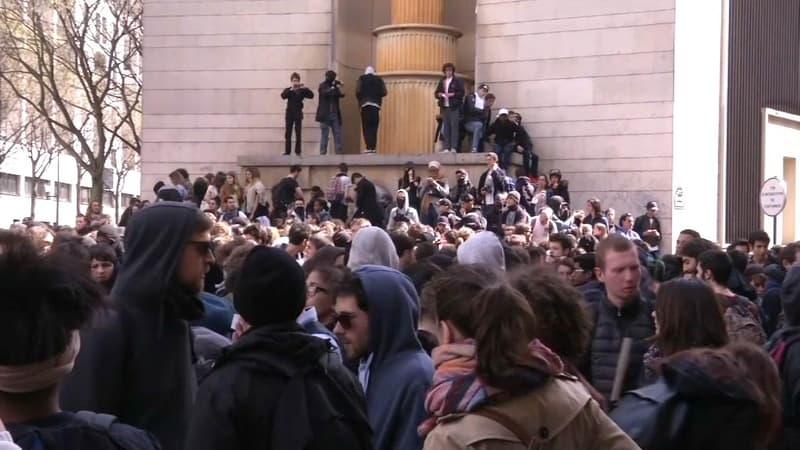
402 212
372 246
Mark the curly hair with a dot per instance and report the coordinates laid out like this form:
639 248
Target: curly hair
563 321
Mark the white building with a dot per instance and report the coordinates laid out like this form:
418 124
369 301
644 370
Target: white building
60 177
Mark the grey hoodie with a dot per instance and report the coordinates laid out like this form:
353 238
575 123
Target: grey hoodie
483 248
372 245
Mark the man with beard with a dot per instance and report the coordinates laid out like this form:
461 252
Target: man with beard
618 314
136 361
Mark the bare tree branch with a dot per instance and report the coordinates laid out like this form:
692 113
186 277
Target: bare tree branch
76 65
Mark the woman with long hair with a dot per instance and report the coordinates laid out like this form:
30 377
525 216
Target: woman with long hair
410 182
687 315
255 195
496 382
231 188
725 398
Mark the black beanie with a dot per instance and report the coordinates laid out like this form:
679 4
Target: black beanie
271 288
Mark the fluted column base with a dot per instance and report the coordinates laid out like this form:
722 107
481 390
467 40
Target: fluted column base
408 115
418 11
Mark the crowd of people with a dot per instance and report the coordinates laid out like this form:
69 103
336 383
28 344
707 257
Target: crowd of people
461 117
487 316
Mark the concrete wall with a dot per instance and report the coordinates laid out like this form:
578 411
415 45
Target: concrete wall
213 73
593 81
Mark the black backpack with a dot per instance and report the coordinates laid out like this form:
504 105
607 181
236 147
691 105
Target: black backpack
87 431
653 416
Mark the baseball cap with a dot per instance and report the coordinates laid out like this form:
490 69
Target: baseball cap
434 165
652 205
502 111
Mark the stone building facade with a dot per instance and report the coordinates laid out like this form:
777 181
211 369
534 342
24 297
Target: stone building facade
627 97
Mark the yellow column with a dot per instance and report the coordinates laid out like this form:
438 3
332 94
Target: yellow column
410 53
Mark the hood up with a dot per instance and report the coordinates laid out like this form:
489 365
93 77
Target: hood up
393 312
155 239
483 248
372 245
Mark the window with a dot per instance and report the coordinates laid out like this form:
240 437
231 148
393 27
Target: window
86 194
9 184
40 190
108 199
64 192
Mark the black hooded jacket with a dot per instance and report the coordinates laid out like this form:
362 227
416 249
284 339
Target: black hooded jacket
136 360
279 388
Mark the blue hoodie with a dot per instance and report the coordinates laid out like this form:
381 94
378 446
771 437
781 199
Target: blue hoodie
400 372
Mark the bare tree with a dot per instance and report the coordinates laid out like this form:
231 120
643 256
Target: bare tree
123 162
41 149
76 63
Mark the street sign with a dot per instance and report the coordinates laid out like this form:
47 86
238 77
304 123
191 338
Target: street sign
773 196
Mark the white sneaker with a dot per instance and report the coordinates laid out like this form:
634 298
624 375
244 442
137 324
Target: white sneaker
445 150
474 150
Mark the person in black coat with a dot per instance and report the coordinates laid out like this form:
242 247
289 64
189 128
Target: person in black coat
367 205
450 95
370 92
504 131
136 360
329 113
294 96
277 386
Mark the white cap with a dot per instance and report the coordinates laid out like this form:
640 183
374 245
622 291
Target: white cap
502 111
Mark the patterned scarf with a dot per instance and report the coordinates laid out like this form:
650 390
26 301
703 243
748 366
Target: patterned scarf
457 387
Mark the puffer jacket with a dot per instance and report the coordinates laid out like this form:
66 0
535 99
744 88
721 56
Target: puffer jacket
559 416
612 324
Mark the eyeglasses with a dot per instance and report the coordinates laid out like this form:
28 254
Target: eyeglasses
202 246
345 320
312 290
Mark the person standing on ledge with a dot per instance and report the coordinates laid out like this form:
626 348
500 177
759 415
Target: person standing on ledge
450 93
370 92
294 96
329 114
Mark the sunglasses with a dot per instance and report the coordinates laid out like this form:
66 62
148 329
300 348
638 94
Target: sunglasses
202 246
345 320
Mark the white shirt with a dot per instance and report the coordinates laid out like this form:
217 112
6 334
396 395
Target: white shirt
6 442
479 101
363 372
630 234
447 82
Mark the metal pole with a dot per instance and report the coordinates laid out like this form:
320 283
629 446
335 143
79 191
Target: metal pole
58 187
774 230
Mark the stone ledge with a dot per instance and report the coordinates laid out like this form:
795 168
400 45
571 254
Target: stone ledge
447 159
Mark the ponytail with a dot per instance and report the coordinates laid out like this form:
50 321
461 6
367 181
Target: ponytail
505 327
483 306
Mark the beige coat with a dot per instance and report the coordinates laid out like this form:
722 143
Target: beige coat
560 416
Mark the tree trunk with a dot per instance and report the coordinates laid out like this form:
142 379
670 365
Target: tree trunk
97 187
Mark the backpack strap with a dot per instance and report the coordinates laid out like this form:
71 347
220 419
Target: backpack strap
98 421
512 425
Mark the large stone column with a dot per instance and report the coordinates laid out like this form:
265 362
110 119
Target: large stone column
410 53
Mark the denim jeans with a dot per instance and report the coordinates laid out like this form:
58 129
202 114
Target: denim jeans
476 128
450 118
332 121
504 151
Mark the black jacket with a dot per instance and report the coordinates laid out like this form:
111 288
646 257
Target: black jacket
136 361
611 325
504 131
279 388
642 224
370 89
367 205
473 114
329 94
789 369
456 87
294 100
498 183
